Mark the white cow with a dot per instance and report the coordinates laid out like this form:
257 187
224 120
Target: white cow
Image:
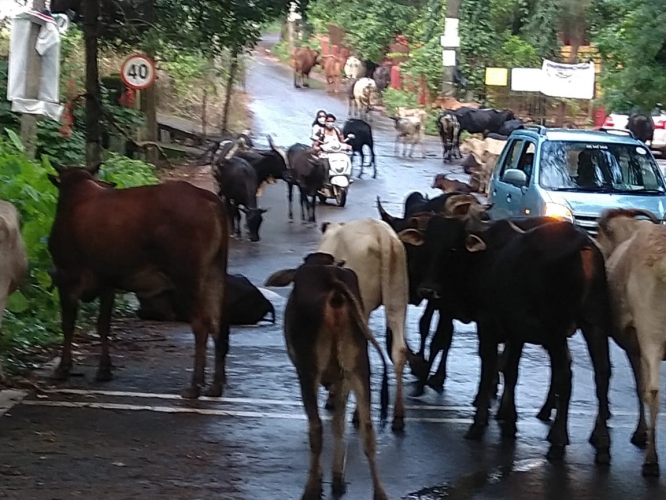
13 257
363 96
353 68
375 253
635 252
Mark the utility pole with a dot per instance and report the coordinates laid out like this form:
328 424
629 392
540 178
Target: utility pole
91 11
151 92
450 44
33 78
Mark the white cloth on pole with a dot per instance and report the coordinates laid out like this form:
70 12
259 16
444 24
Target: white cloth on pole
48 47
569 81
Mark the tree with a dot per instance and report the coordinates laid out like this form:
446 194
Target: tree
630 36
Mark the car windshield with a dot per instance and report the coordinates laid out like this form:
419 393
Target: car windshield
599 167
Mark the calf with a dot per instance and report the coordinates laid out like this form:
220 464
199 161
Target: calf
237 186
507 280
408 130
450 185
327 340
362 132
243 302
148 239
635 252
333 72
373 251
448 128
642 126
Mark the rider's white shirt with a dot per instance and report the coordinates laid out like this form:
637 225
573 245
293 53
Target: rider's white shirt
332 139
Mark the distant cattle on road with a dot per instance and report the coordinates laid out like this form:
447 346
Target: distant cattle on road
303 59
642 126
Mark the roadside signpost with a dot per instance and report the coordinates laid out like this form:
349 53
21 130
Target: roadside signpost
138 72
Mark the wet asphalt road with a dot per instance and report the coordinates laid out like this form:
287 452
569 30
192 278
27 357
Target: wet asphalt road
135 437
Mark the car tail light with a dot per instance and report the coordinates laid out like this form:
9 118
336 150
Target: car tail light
660 124
608 122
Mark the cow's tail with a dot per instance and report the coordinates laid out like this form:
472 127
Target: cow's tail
341 295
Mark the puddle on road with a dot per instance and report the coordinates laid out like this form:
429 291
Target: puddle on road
468 486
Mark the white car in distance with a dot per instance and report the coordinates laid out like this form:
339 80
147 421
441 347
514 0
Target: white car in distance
619 121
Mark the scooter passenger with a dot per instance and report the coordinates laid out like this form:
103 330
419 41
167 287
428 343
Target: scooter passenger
330 136
318 125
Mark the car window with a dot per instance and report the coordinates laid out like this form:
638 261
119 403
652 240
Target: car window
526 160
512 155
599 167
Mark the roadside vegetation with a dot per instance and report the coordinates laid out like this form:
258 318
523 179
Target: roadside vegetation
200 78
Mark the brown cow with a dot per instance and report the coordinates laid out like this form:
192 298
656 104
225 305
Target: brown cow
327 340
451 103
303 59
139 240
333 71
450 185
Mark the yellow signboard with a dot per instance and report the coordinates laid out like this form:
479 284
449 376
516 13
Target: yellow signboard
497 77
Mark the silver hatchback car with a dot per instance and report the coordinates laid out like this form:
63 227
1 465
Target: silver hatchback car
575 175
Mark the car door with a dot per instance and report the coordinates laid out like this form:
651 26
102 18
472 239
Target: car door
503 194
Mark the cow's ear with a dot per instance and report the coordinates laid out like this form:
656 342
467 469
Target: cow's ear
461 208
474 244
411 236
55 180
281 278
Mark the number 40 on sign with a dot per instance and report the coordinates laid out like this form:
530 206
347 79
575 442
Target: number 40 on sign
138 72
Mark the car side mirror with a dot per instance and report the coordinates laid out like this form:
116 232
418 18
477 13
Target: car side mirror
515 177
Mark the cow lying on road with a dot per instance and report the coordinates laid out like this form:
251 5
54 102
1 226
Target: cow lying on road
243 302
327 340
138 240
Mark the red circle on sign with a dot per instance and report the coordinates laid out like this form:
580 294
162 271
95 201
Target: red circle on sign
150 64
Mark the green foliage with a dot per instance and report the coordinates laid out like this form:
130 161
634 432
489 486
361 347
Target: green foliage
629 45
517 53
32 316
394 99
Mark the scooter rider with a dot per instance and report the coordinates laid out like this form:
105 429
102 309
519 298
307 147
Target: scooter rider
330 135
318 125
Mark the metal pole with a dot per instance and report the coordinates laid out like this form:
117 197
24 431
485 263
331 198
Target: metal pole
33 77
450 45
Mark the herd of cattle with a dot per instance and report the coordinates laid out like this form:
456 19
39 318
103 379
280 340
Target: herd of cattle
531 280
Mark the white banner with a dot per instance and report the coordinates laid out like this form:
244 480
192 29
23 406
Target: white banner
526 79
569 81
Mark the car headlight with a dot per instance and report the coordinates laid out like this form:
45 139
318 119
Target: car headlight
558 212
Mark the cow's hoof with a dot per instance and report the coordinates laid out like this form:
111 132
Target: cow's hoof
556 452
313 493
380 495
475 432
215 390
436 383
398 424
338 486
290 221
544 414
509 430
104 374
191 392
602 457
639 439
651 469
61 373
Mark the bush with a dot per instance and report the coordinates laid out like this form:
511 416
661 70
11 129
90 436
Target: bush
32 318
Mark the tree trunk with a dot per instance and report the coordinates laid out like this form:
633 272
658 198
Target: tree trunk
233 69
93 93
33 77
151 93
448 86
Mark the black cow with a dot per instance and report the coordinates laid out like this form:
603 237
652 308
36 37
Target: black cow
370 68
507 128
642 126
238 184
308 173
382 77
480 121
449 131
327 341
524 287
362 132
243 302
270 164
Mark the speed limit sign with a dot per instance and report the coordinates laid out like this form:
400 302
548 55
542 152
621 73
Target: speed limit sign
138 72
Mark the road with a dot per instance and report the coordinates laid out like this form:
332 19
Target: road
134 436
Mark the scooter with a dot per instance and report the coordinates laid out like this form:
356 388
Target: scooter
339 173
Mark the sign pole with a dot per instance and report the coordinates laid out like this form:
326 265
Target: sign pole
33 78
450 44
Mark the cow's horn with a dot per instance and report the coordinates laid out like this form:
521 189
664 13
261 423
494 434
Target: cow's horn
516 228
383 213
